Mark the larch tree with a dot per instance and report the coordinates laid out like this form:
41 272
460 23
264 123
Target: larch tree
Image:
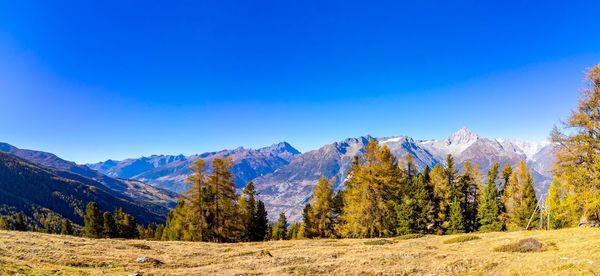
321 202
226 224
4 225
441 192
198 216
372 188
557 211
578 158
523 209
309 228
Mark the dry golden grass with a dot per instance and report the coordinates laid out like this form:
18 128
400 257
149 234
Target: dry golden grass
566 252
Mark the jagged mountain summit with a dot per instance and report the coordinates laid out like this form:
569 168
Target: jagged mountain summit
289 188
171 171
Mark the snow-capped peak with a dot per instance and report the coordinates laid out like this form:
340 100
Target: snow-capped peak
528 147
463 136
392 139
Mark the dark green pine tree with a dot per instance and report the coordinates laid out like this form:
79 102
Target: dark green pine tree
490 207
67 227
457 224
247 205
109 226
20 222
261 223
405 213
423 198
337 208
48 227
280 228
92 221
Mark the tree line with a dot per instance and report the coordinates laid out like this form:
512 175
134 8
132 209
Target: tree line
385 197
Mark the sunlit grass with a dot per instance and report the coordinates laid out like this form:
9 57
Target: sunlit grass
564 252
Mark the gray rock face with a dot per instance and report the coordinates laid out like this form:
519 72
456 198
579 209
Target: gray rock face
289 188
170 172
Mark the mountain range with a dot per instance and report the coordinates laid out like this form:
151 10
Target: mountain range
37 182
284 177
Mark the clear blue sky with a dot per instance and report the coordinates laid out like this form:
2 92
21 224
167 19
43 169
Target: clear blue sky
117 79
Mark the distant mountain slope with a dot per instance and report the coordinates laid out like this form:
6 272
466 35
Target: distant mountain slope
35 190
155 199
170 172
285 178
290 187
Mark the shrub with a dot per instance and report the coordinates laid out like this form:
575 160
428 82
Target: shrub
463 238
140 246
409 237
522 246
378 242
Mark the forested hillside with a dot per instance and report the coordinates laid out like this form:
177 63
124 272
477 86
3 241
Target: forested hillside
48 195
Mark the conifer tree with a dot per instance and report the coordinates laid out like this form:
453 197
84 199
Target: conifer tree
159 232
130 226
555 203
456 221
578 157
450 174
247 209
337 209
293 231
67 228
175 226
261 223
504 194
309 228
48 228
4 223
125 224
490 217
92 221
322 201
411 167
280 228
20 222
194 220
524 199
469 186
441 199
225 223
405 212
371 194
109 225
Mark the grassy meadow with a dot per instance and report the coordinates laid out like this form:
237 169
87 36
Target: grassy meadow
573 251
